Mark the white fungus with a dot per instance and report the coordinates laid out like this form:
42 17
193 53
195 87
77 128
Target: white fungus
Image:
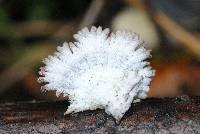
101 71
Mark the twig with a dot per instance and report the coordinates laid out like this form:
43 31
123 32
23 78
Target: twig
92 13
54 29
187 39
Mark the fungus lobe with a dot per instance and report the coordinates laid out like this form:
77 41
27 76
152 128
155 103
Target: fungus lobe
102 70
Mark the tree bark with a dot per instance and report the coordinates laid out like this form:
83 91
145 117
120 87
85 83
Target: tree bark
167 115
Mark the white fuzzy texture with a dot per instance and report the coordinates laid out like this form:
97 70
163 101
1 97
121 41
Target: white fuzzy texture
106 72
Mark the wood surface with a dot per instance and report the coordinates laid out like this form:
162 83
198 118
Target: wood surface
167 115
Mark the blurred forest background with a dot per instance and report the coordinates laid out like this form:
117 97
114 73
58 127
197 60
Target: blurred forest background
32 29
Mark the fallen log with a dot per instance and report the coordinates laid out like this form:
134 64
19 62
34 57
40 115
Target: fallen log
167 115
